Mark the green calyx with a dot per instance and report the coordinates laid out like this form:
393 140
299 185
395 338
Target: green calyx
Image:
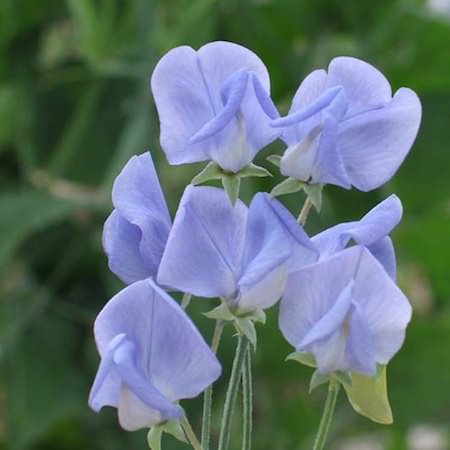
155 433
244 322
291 185
368 396
230 181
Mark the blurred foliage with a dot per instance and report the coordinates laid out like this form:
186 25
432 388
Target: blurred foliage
75 105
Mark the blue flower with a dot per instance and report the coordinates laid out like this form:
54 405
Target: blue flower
371 231
135 234
151 357
213 104
345 128
240 254
346 311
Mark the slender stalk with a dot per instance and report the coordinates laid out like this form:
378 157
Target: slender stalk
247 400
186 300
233 386
306 208
190 435
327 415
207 396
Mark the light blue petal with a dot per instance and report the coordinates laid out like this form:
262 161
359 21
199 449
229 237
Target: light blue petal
312 291
267 247
315 158
187 87
317 300
365 86
371 231
303 250
333 319
169 351
121 241
385 307
374 144
184 104
136 232
205 246
265 292
384 251
360 346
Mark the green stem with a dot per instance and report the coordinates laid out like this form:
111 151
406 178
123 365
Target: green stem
247 400
207 396
190 435
327 415
233 386
306 208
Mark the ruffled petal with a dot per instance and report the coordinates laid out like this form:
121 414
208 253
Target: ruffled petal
265 292
121 241
152 356
219 60
312 291
375 143
184 104
267 245
205 245
303 250
366 87
360 346
386 308
136 232
187 86
371 231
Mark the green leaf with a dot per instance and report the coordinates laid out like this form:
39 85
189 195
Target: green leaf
231 184
252 170
318 379
368 396
288 186
314 192
211 172
25 213
154 437
302 357
274 159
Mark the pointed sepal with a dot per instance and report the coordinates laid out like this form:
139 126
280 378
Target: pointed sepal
314 193
287 186
154 437
368 396
303 358
275 160
231 184
252 170
221 312
172 427
318 379
211 172
246 327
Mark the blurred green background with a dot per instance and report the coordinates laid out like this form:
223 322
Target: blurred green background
75 105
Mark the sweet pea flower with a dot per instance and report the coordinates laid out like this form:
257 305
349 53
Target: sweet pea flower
371 231
346 311
237 253
345 127
213 104
151 357
135 233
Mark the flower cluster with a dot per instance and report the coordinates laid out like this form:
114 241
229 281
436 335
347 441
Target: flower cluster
340 306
